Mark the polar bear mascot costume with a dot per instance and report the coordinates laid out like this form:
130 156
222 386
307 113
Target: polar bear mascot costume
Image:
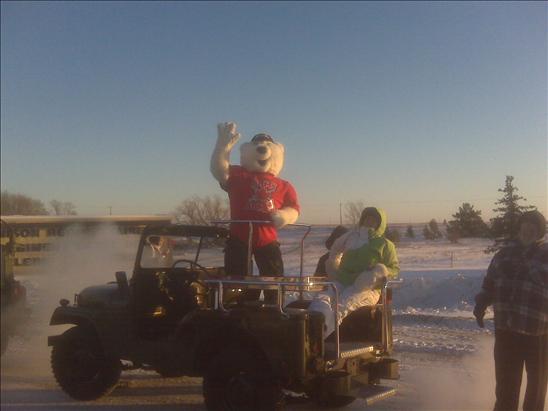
255 193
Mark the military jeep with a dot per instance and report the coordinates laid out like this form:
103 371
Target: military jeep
181 315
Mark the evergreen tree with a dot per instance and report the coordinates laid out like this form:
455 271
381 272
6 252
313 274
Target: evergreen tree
453 234
427 234
409 233
505 225
434 229
393 235
431 231
467 223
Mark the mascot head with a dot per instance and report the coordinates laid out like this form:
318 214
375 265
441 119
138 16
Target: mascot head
262 154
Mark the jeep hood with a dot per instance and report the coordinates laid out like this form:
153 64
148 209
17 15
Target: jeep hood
101 296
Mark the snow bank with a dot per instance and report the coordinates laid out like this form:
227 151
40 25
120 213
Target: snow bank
438 290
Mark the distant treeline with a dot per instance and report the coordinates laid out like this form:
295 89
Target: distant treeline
21 204
466 222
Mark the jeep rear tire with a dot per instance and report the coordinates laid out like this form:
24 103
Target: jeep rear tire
240 379
80 366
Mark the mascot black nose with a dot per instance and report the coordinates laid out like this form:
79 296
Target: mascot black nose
261 150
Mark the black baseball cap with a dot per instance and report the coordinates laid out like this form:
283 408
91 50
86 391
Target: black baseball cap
257 138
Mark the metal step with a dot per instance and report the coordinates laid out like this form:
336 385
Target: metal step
374 393
349 349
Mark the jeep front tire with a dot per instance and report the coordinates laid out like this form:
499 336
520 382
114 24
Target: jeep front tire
80 366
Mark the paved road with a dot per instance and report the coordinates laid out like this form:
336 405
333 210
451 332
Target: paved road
429 382
27 384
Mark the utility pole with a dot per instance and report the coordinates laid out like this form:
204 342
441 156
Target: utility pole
109 210
340 212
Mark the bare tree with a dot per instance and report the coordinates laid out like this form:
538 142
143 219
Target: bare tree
62 207
202 210
353 211
20 204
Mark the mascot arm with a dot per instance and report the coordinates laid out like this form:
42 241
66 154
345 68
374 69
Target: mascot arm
227 137
289 212
339 246
369 279
335 256
284 216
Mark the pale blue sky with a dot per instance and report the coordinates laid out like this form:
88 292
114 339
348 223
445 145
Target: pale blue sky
414 107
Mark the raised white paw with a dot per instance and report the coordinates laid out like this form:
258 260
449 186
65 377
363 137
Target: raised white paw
227 135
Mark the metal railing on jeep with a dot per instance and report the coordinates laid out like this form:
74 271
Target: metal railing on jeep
250 238
301 284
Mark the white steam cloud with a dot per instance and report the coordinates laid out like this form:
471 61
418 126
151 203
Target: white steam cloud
81 258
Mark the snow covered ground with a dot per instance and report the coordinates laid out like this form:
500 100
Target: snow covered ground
446 360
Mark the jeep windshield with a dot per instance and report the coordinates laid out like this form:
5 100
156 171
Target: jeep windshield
179 246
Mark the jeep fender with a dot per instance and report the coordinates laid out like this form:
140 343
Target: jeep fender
71 315
112 328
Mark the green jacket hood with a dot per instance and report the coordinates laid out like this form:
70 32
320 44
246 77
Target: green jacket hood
379 232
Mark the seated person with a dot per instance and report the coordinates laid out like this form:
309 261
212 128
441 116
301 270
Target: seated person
358 262
336 233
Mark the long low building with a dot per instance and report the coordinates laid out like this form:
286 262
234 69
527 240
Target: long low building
35 234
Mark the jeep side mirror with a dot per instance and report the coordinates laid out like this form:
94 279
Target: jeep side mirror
121 280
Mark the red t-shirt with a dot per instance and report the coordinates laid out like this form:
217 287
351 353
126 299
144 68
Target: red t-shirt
255 196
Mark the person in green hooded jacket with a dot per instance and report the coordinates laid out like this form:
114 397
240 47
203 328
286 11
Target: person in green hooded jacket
358 263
